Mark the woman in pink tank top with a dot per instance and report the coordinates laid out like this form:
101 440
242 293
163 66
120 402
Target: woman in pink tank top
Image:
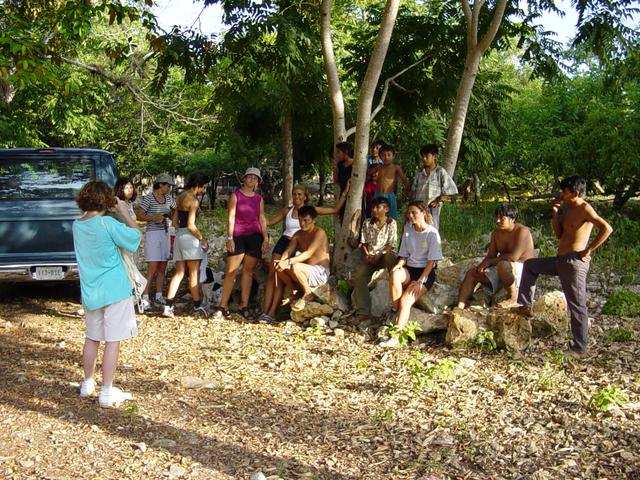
247 241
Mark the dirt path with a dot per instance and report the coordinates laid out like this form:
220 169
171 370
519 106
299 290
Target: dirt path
306 404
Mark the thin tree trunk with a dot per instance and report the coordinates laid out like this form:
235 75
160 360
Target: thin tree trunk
475 50
323 184
459 116
343 250
331 69
287 157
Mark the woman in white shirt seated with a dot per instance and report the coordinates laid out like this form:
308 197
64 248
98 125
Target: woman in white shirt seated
415 271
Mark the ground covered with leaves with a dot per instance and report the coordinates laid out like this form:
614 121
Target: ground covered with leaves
223 400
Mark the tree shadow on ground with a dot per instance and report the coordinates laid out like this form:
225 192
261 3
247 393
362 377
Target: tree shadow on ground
34 372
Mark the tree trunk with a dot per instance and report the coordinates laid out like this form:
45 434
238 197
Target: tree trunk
323 184
475 50
459 116
477 188
287 157
342 251
331 69
214 191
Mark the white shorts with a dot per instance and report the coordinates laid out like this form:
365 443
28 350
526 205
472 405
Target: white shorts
186 246
318 275
156 246
112 323
492 275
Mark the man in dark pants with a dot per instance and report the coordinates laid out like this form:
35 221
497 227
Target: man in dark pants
573 228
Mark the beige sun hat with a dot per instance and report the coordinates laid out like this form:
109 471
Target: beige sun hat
164 178
253 171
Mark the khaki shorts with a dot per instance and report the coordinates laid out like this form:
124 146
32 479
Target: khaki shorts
186 246
492 275
112 323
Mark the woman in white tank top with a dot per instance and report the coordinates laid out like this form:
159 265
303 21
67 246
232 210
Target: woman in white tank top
300 196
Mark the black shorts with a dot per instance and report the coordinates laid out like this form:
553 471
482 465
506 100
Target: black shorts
416 272
281 245
248 245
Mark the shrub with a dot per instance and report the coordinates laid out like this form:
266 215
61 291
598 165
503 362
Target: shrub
623 302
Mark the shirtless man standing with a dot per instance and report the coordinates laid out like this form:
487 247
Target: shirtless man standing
387 178
511 244
573 228
310 268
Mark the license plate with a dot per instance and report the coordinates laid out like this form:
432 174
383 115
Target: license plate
48 273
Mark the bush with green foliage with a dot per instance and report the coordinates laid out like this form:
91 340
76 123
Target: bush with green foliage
623 302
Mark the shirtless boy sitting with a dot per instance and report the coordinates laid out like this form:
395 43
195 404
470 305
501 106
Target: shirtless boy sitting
387 178
511 244
310 268
573 228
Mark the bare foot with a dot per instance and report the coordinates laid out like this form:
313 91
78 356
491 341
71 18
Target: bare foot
508 303
523 310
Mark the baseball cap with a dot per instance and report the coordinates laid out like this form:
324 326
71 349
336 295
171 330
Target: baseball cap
164 178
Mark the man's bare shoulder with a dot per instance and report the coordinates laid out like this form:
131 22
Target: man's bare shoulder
522 230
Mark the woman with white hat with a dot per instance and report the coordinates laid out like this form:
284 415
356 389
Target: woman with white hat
247 241
155 210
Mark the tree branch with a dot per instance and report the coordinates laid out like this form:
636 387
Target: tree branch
138 95
385 90
493 26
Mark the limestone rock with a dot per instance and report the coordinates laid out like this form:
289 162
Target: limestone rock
550 315
444 292
439 297
319 322
465 324
381 275
380 299
511 331
311 310
429 322
329 294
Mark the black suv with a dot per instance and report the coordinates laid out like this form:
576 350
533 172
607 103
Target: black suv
37 208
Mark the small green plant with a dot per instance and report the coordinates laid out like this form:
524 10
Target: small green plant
485 341
425 376
606 397
623 302
343 287
557 357
383 415
130 409
619 334
407 333
548 377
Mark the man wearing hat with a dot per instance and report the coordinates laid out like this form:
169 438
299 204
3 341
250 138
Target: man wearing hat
155 209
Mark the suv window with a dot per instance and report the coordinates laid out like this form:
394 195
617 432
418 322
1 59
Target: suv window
38 177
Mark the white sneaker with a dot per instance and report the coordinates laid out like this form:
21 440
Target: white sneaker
87 387
144 305
113 397
168 312
160 301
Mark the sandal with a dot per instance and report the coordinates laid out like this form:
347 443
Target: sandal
246 313
219 313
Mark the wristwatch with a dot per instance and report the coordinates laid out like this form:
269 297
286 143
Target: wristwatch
229 237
